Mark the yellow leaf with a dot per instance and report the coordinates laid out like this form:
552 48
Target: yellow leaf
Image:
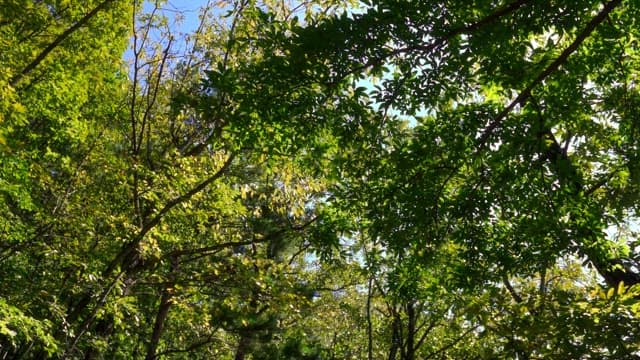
17 107
610 293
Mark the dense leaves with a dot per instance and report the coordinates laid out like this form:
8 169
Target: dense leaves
319 180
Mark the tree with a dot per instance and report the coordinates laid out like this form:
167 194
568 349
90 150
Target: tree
140 209
323 179
503 140
54 86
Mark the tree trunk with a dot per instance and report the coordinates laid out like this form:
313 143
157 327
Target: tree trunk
396 336
411 331
243 346
163 312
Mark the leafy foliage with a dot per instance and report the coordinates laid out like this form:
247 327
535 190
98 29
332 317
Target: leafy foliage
319 180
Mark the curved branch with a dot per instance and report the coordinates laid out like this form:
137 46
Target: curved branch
128 252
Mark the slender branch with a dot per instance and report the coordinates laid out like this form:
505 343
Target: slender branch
152 95
184 197
602 182
56 42
426 333
209 339
303 248
196 36
452 344
84 327
211 249
440 41
369 322
525 94
431 326
542 289
511 290
130 247
238 9
134 86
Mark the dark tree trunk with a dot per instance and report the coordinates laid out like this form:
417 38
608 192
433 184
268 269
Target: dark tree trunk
243 346
411 332
613 271
163 312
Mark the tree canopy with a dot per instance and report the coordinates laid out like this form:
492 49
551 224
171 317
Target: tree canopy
320 180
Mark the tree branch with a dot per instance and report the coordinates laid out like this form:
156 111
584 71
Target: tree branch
129 249
525 94
451 344
440 41
190 348
511 290
62 37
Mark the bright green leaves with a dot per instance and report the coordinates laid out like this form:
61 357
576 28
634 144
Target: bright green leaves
58 90
17 327
245 189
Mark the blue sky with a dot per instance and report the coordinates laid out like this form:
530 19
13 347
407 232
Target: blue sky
189 9
182 15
